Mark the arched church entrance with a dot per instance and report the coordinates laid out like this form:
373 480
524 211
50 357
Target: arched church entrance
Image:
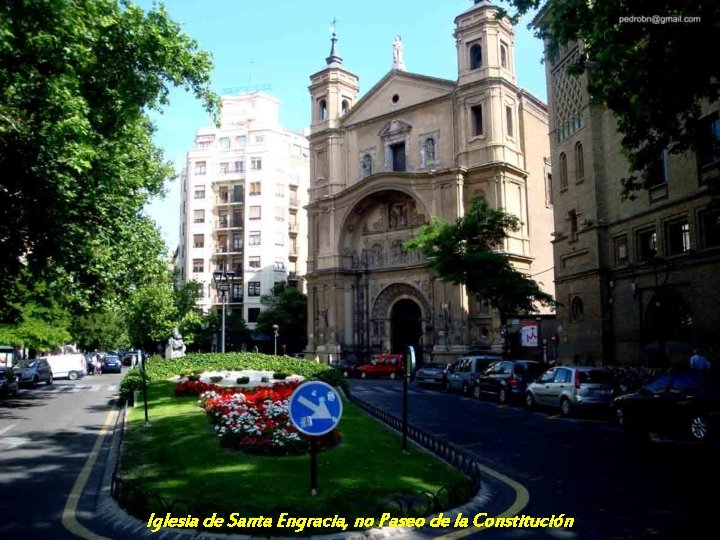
406 327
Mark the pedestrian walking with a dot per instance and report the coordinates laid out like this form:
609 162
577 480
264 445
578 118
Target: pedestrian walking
698 361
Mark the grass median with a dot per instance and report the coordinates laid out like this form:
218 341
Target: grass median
179 459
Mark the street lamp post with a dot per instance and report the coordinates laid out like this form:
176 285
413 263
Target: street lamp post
276 334
222 283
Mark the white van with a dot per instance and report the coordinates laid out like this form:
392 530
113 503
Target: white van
72 366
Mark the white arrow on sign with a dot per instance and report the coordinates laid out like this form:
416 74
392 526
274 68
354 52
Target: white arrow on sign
320 412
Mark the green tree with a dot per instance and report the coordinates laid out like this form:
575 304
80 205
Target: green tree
77 80
102 330
466 252
652 76
286 307
151 315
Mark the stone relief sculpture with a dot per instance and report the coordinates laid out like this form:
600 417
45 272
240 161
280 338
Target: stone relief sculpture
176 346
366 165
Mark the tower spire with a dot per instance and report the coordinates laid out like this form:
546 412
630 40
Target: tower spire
333 59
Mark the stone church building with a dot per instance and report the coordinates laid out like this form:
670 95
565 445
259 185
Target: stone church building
414 147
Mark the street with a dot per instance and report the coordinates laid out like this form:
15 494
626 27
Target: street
581 467
46 436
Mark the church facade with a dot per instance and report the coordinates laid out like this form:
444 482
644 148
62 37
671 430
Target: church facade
414 147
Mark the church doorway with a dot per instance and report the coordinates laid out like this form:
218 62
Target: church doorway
406 327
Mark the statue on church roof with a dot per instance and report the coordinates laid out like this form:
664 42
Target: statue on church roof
398 62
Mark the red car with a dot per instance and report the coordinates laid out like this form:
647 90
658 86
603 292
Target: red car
383 365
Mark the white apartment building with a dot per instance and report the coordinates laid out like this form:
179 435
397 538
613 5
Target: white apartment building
244 187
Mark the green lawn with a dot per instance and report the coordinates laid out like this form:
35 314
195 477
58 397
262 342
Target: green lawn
178 457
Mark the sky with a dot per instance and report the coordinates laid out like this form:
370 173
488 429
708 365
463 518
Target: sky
277 44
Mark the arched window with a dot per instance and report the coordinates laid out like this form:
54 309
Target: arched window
563 171
475 56
366 165
579 163
503 56
577 309
345 107
323 110
429 148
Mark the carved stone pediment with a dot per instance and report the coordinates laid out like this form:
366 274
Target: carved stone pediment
394 127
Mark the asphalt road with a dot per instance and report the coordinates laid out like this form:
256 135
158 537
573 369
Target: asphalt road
46 436
584 468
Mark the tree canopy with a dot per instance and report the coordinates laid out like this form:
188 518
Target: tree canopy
286 307
468 252
77 80
653 74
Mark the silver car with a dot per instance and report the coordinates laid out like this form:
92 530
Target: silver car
571 388
463 375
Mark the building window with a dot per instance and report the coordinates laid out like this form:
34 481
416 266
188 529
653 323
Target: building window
579 163
563 171
710 228
256 164
200 168
322 109
503 55
240 166
646 244
254 238
237 292
509 121
345 107
254 288
198 265
198 240
709 140
254 262
293 196
475 56
429 151
259 139
237 242
572 217
397 154
224 168
224 142
253 314
678 237
577 309
280 190
659 173
620 250
255 188
279 266
204 145
279 214
366 165
279 239
548 191
255 212
476 116
199 193
241 141
199 216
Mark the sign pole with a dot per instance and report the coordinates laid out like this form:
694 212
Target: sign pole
405 411
313 466
144 381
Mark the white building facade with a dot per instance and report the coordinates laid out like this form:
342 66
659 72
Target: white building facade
244 186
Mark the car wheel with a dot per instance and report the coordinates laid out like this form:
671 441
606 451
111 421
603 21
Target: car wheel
35 380
50 380
502 396
477 394
73 375
529 401
699 428
566 407
363 375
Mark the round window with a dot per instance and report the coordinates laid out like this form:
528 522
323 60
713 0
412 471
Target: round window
395 98
576 308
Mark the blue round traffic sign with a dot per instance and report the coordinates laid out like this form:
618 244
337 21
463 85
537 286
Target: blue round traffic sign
315 408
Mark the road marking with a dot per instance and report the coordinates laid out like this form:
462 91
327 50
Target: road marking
502 406
553 417
8 428
112 387
13 442
522 498
69 517
95 388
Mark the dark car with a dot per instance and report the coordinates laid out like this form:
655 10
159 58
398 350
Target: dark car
33 371
683 405
347 367
8 384
112 364
507 380
431 373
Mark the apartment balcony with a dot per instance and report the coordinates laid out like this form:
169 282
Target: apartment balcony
293 228
226 224
293 253
293 201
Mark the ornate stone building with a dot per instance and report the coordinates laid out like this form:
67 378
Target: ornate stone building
412 148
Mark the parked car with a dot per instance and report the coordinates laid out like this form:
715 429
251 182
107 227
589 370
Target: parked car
33 371
382 365
571 387
347 367
8 384
72 366
112 364
507 380
431 373
682 405
464 372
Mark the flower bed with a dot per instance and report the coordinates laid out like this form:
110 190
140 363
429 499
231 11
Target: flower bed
254 420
